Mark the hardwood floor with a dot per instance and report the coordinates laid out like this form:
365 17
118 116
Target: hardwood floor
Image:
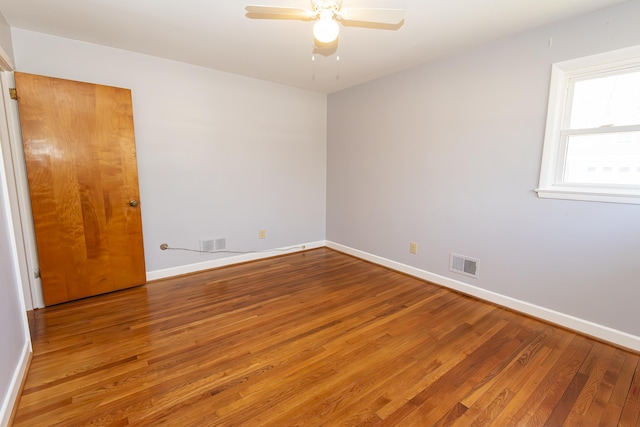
315 338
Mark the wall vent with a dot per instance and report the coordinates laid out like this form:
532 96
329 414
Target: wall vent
464 265
213 245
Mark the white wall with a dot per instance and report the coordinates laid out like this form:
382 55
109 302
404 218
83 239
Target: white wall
5 38
448 155
13 332
219 155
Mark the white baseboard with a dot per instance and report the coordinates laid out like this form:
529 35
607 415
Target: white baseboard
600 332
216 263
11 396
595 330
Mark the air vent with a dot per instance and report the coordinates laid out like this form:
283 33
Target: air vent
464 265
220 244
213 245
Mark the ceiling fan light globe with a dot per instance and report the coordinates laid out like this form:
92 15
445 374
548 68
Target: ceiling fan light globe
326 30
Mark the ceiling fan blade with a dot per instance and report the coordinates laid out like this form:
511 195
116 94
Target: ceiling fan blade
275 12
377 16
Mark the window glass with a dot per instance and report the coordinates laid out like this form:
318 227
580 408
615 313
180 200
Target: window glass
603 158
612 100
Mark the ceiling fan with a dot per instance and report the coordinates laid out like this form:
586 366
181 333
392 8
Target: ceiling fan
328 13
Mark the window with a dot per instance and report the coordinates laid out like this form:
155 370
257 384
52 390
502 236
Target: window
592 140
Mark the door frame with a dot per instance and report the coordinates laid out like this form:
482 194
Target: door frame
18 188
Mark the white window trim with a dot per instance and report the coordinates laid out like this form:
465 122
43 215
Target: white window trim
550 185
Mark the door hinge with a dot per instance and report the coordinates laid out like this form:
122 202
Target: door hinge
13 93
36 273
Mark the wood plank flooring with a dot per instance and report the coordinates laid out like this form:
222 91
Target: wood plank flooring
315 338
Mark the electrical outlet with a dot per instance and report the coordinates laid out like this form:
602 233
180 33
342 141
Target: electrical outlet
413 247
262 234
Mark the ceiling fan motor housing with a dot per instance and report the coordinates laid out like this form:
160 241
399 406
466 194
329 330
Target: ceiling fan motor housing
326 6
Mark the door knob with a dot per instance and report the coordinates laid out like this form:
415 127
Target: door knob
133 203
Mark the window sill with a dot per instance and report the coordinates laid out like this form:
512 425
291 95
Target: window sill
630 197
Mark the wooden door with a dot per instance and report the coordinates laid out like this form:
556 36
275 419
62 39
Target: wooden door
81 166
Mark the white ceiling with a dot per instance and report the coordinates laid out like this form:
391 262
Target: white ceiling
217 34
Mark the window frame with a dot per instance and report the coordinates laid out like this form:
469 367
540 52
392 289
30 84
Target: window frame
563 77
